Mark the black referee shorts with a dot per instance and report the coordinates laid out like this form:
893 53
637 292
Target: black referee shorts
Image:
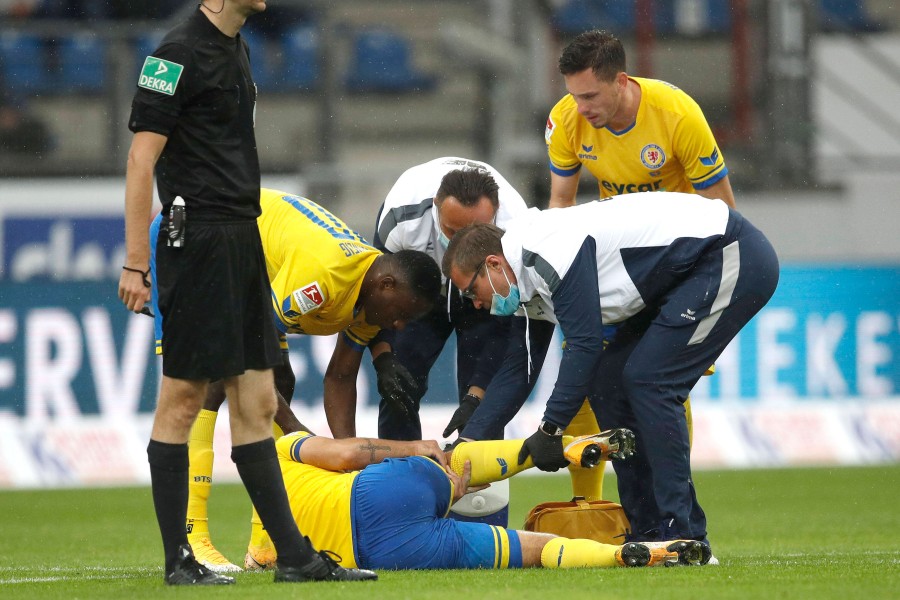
215 299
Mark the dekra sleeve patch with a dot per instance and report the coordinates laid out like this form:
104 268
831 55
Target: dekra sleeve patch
160 75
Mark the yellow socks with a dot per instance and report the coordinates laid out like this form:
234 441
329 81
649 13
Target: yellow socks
495 460
492 460
200 455
565 553
587 483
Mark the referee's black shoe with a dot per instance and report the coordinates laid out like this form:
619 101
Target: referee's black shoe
321 568
188 571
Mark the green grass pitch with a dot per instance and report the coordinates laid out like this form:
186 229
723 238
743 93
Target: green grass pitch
794 534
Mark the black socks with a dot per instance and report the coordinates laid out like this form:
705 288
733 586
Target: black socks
169 480
257 464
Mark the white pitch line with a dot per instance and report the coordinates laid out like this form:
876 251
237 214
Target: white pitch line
78 574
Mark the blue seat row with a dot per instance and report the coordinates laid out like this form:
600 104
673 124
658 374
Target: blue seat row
29 64
381 62
697 17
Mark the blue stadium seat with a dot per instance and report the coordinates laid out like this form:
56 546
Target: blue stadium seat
301 58
718 15
576 16
23 60
711 16
82 63
846 15
264 64
381 62
144 45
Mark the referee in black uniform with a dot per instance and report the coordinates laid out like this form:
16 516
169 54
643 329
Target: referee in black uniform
193 118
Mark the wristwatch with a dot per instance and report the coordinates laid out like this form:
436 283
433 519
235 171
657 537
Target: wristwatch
550 429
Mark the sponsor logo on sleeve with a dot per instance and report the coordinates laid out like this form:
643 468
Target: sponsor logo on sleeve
548 132
309 298
159 75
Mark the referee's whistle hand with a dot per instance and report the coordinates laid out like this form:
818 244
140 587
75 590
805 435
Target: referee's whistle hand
132 291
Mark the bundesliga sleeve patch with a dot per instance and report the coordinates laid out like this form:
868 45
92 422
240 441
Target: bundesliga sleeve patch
159 75
548 130
309 297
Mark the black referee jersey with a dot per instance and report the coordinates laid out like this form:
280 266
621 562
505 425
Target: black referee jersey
197 90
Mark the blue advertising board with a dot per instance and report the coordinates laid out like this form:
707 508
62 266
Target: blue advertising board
61 247
830 331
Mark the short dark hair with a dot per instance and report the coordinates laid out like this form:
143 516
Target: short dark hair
468 186
597 50
419 272
470 245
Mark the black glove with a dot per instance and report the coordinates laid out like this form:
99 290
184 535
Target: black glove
546 451
467 406
397 385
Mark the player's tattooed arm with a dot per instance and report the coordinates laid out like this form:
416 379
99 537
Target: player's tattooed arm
377 450
351 454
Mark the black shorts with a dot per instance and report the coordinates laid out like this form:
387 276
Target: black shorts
215 299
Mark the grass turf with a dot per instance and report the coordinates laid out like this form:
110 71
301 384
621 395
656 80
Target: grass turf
799 533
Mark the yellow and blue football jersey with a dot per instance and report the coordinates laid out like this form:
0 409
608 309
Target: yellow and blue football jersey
320 499
669 147
316 265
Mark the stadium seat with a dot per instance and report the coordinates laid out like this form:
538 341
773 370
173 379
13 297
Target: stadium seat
615 16
381 62
82 63
265 60
301 58
695 17
846 15
23 60
144 45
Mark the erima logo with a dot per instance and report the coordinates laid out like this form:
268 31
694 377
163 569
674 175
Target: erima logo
504 467
587 157
712 159
587 148
689 314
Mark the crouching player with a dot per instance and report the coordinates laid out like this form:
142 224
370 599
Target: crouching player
384 504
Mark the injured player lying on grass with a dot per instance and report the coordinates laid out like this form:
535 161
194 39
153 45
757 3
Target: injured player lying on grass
380 504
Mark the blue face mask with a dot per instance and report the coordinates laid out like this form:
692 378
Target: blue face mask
504 306
443 239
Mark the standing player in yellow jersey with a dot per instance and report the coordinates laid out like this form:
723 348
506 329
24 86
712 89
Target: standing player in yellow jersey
384 504
325 279
632 134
